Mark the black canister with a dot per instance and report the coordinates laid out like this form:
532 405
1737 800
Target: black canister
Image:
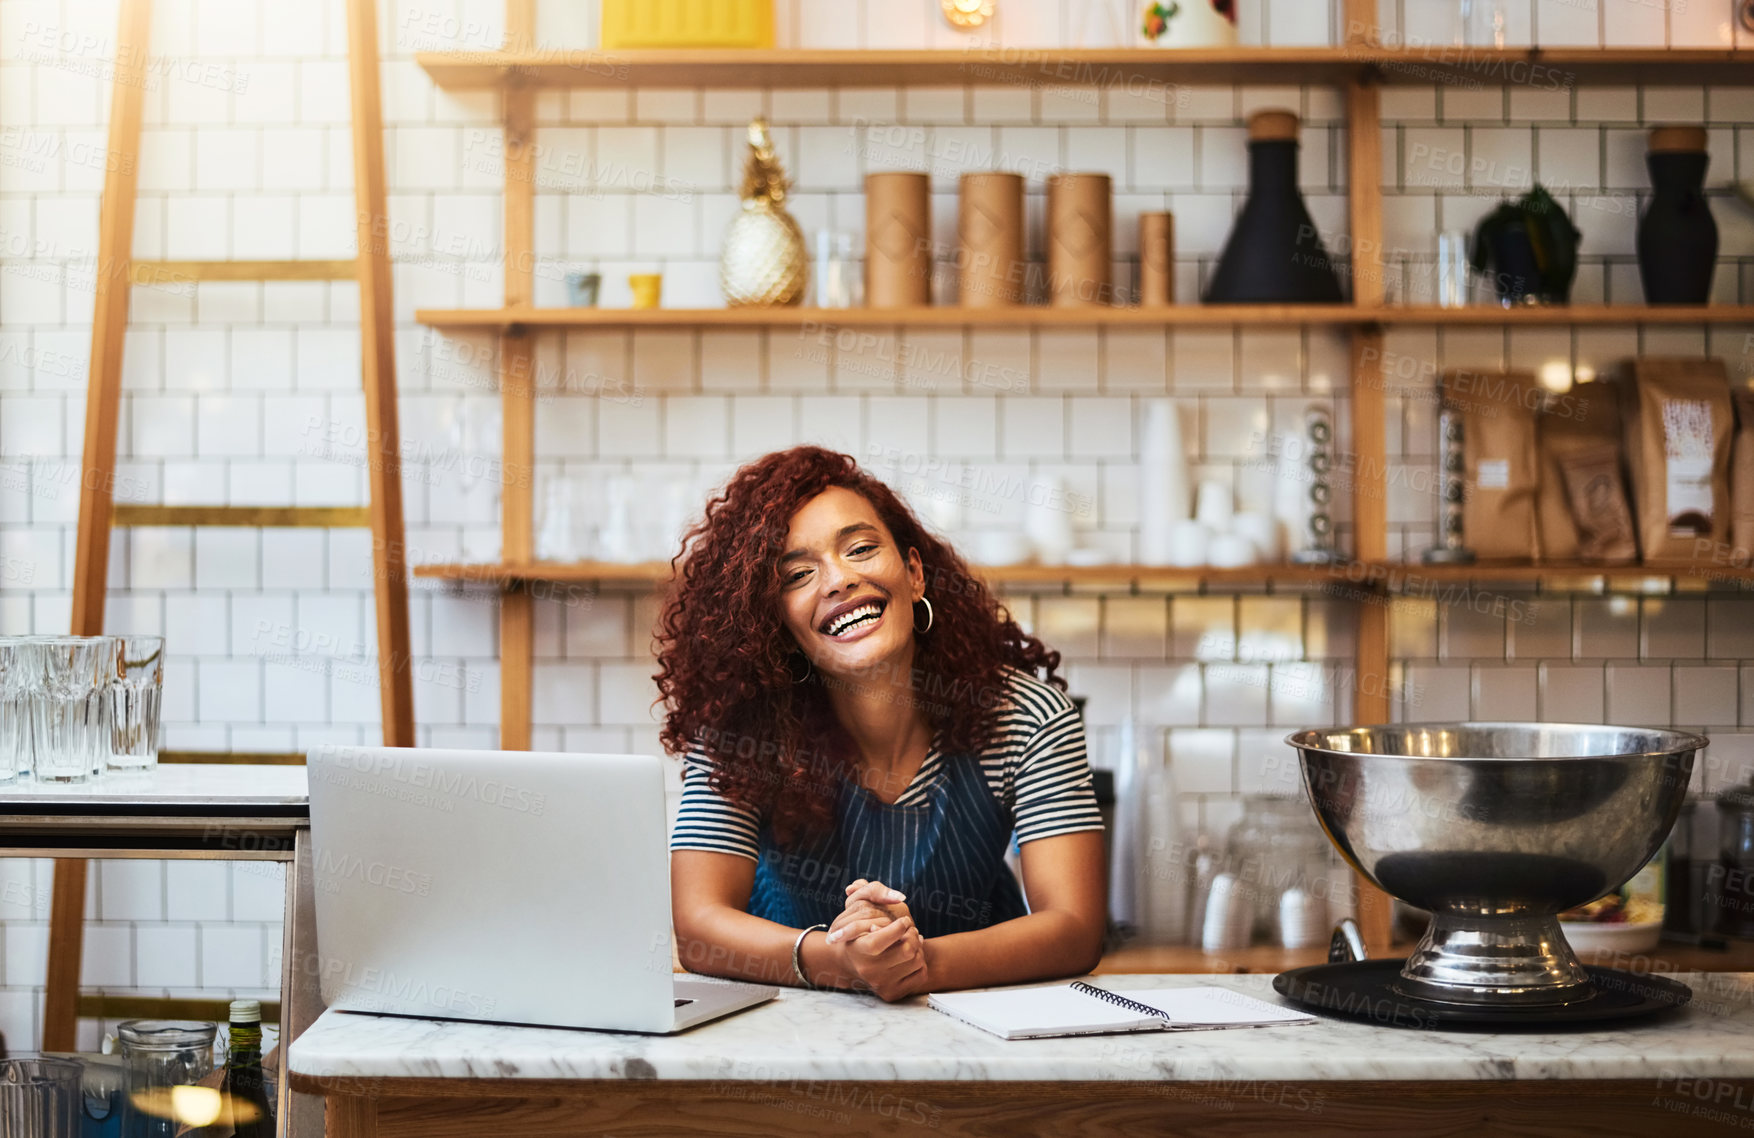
1733 887
1677 236
1274 254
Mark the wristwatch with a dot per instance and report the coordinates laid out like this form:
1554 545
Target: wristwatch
798 957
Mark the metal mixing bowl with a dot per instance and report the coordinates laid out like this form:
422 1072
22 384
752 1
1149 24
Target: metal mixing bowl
1496 828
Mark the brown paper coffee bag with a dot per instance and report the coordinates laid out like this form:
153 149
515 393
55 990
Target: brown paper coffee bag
1585 418
1500 463
1742 475
1597 489
1678 427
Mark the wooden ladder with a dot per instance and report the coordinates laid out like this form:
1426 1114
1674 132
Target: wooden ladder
117 272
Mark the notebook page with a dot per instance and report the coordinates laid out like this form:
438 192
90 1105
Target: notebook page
1215 1007
1038 1011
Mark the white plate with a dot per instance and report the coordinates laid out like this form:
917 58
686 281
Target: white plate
1589 936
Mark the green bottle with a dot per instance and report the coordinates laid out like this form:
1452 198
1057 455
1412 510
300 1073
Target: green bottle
243 1095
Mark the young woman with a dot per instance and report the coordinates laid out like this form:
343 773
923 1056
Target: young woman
864 731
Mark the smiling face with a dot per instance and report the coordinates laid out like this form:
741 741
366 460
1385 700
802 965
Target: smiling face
846 590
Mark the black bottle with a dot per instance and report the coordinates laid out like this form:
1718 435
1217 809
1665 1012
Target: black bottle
1274 254
1677 236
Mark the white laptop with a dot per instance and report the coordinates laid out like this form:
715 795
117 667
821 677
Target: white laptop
500 886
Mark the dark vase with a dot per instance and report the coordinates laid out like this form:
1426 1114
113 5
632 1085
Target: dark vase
1677 236
1516 275
1273 254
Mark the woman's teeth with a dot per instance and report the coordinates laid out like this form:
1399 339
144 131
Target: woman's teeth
847 621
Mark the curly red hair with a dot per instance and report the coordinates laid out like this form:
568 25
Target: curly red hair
727 668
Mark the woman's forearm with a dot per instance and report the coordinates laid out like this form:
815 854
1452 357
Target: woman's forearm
1040 946
730 943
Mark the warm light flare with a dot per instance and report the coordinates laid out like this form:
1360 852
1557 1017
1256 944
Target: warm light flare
968 14
191 1105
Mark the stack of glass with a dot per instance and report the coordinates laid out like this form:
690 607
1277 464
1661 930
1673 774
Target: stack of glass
73 706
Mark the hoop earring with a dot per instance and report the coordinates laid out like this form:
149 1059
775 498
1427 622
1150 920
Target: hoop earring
809 670
930 615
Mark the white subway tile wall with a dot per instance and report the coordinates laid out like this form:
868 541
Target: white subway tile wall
247 394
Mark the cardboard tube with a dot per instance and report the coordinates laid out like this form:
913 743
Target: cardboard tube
898 240
989 234
1273 126
1156 259
1677 140
1080 240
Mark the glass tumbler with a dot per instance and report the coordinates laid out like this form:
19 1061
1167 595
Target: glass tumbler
69 717
164 1062
1452 269
39 1098
135 695
20 676
836 280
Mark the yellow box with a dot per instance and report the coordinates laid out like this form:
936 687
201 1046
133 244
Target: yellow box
687 23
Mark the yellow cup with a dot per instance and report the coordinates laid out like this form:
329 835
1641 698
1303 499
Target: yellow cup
647 289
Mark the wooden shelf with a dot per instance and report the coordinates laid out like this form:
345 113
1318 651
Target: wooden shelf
797 67
1126 69
1570 314
1412 577
1128 577
1040 316
1393 577
938 316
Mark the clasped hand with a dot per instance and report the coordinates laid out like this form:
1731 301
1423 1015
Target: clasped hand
878 941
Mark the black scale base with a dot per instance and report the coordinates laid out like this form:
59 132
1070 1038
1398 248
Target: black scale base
1366 990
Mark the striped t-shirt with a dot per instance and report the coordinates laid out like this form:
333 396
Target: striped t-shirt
1035 766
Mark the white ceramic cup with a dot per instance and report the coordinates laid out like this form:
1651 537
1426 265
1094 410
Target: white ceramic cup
1214 505
1230 551
1188 542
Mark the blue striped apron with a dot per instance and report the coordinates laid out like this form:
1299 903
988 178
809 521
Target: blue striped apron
945 851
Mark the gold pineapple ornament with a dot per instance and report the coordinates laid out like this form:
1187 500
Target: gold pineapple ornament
764 262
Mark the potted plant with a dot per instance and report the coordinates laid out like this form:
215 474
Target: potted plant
1529 248
1187 23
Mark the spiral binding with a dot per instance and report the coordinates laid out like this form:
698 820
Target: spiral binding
1119 1000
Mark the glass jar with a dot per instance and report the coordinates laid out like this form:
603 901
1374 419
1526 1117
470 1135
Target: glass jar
39 1097
1734 891
164 1062
1281 860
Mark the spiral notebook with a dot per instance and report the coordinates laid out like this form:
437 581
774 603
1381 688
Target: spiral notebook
1084 1009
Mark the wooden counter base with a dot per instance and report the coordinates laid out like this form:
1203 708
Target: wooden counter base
471 1108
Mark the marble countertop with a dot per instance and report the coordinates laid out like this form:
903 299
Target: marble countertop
187 787
833 1035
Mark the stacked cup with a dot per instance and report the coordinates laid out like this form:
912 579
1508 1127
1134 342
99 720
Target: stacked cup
72 706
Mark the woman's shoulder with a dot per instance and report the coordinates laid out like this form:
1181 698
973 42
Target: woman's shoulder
1030 703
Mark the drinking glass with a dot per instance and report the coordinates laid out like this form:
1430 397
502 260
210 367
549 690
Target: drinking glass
165 1059
1487 22
1452 269
68 736
135 696
20 674
836 279
557 540
618 541
39 1098
475 442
